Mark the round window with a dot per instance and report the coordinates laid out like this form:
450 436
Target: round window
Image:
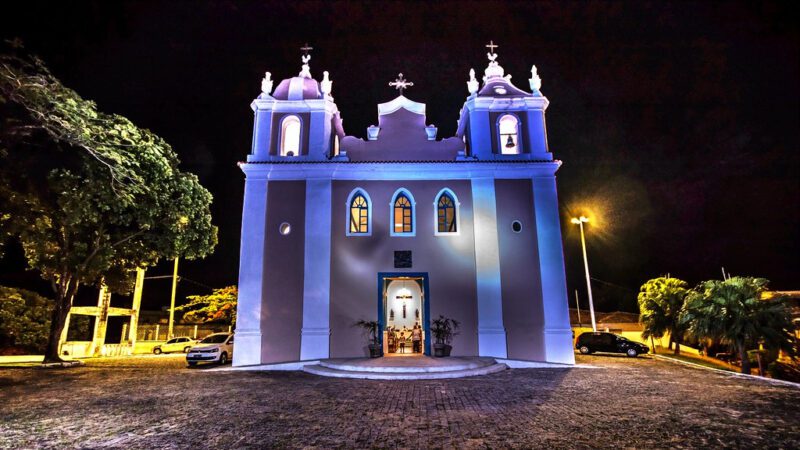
285 228
516 226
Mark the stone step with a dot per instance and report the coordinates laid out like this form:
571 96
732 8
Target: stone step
407 365
318 369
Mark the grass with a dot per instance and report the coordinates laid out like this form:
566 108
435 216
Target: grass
699 361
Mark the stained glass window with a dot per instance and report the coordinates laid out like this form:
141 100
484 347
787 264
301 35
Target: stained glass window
446 211
403 215
359 214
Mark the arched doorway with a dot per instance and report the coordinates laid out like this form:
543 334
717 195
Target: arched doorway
402 304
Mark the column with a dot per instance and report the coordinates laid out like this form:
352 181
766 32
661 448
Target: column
135 307
557 330
101 321
491 333
251 272
315 336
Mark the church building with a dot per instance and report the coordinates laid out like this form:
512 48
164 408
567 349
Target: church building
401 227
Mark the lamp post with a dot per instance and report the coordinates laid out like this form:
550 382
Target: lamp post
580 221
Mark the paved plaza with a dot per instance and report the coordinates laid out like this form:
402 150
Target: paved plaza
156 402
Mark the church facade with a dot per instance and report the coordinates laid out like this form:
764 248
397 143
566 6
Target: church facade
401 227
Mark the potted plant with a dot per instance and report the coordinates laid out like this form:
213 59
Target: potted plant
370 330
443 330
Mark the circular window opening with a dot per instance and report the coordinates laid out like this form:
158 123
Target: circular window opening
285 228
516 226
499 90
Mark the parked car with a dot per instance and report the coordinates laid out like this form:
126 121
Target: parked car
608 342
217 347
178 344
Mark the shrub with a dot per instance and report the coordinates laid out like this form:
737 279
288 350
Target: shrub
24 319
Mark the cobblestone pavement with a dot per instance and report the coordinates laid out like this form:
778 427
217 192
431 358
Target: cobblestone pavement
156 402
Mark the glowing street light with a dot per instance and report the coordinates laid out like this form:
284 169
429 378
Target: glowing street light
580 221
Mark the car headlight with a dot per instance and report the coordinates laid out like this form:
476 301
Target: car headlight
214 350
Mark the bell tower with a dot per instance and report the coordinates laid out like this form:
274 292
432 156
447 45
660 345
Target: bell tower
500 121
298 121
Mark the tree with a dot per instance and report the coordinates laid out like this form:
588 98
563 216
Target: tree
733 312
24 319
661 307
90 195
219 306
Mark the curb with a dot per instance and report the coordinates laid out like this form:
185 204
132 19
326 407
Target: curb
729 373
63 364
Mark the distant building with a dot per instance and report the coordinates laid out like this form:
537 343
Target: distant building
401 227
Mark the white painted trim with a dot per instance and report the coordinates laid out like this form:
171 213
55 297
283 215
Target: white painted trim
315 334
353 193
457 206
399 171
288 366
521 364
293 106
410 197
491 333
401 102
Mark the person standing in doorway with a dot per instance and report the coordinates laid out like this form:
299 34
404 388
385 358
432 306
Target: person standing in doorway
416 338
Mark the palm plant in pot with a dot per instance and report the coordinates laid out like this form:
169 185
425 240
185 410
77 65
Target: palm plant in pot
443 330
370 330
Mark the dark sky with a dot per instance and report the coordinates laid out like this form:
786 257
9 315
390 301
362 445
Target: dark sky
677 122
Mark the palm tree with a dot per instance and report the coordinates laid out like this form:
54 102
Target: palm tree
661 306
732 312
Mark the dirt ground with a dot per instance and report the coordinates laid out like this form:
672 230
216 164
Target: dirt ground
156 402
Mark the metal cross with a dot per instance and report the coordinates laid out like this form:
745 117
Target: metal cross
492 46
400 84
306 49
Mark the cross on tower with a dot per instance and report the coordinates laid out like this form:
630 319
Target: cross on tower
400 83
305 48
491 46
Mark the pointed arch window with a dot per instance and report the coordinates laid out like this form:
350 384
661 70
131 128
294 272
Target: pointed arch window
508 130
446 212
290 136
359 214
403 220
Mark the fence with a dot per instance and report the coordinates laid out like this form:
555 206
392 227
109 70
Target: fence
158 332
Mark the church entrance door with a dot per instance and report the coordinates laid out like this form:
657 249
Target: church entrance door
403 306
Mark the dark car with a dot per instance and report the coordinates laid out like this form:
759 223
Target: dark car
608 342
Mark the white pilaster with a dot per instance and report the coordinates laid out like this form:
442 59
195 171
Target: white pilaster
491 333
251 273
557 330
315 335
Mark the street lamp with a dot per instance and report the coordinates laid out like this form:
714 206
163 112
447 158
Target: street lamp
580 221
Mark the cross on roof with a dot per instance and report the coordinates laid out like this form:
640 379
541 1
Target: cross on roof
305 48
491 46
400 83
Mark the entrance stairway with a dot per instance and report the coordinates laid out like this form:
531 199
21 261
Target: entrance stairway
405 367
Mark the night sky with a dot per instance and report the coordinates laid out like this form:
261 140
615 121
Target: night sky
677 122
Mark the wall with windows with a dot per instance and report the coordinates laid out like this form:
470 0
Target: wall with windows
356 260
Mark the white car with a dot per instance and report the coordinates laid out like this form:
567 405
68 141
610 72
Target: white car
178 344
217 347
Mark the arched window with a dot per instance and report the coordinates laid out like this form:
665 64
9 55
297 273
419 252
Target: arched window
508 127
290 136
359 213
446 212
403 214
